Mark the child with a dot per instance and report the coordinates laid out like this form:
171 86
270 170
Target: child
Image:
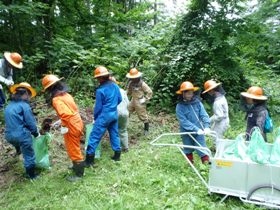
256 110
192 118
21 124
10 62
108 97
220 120
123 117
71 122
141 93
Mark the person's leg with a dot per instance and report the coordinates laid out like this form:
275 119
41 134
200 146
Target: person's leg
122 123
28 156
95 137
188 142
201 140
143 116
115 140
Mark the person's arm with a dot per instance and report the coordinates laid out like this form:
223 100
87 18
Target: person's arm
261 116
98 104
204 116
184 122
219 113
29 120
119 95
147 90
6 81
63 111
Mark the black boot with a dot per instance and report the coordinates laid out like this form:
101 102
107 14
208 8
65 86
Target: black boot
117 156
78 169
89 161
31 172
146 129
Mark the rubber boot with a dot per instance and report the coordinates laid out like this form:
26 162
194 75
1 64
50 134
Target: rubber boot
190 157
146 129
117 156
89 161
31 172
78 169
205 159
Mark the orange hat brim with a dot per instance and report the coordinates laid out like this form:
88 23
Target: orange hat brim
7 56
181 91
248 95
139 74
14 87
211 88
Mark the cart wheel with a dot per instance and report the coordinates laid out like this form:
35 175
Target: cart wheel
264 186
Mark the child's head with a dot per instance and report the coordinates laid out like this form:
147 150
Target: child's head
211 87
188 95
187 90
22 91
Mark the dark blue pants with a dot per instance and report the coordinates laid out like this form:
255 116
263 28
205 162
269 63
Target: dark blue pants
105 121
25 144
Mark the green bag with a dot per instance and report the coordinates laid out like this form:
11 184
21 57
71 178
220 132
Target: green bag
275 151
237 150
88 131
41 149
258 150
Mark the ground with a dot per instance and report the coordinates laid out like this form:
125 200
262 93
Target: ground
147 177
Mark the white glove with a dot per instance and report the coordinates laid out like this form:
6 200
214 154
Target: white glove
8 82
142 100
56 124
207 131
200 132
63 130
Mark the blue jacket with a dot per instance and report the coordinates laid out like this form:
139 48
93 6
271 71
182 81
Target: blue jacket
19 119
108 97
191 115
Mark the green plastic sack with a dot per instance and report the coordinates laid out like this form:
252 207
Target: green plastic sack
237 150
41 149
258 150
98 149
275 151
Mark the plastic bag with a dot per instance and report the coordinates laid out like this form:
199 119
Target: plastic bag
258 150
88 131
275 151
41 149
237 150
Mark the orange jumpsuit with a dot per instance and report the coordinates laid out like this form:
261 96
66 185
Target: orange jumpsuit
68 112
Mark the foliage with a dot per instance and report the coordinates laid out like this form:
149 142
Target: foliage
201 49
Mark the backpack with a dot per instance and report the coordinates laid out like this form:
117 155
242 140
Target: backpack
268 124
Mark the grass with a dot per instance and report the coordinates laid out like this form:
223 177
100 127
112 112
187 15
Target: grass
147 177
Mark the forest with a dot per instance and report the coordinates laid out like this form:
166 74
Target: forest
235 42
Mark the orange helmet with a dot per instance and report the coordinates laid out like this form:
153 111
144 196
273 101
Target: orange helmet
14 59
254 92
23 85
186 86
49 80
133 73
210 85
101 71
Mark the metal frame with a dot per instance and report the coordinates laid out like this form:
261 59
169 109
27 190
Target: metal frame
242 195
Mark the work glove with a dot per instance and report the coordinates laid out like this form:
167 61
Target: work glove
207 131
64 130
8 82
142 100
200 132
56 124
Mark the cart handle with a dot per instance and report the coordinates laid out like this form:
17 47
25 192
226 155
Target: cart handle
205 150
